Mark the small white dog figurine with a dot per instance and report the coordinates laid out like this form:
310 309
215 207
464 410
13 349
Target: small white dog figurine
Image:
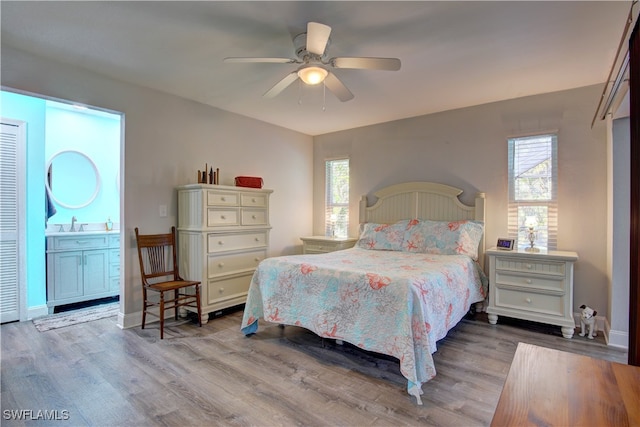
588 321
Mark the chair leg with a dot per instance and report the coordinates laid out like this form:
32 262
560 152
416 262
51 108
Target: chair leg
198 303
176 294
161 315
144 306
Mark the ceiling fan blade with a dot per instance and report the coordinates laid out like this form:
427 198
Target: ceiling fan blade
389 64
281 85
317 37
272 60
337 87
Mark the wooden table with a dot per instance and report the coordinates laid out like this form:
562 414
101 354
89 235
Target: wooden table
548 387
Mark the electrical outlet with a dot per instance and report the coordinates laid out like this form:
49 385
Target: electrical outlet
163 211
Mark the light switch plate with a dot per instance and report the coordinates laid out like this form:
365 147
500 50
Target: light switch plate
163 210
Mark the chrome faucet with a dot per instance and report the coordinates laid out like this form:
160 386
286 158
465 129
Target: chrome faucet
73 223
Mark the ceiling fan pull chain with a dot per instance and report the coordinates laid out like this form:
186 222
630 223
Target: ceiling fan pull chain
299 92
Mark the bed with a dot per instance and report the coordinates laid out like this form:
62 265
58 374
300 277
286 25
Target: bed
412 276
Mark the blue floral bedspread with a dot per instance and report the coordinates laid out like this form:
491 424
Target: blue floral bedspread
390 302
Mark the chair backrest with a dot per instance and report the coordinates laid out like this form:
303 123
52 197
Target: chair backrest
157 256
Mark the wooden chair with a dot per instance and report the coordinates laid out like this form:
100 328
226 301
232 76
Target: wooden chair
160 276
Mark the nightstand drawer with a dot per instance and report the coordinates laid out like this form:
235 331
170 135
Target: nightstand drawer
222 217
549 283
527 266
530 301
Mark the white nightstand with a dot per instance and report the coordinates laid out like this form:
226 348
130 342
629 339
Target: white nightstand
324 244
536 286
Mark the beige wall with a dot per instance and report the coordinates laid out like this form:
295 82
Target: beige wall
467 148
167 140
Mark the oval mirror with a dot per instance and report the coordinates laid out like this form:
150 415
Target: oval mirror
73 180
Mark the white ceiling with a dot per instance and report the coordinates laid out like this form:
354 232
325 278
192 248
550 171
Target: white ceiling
454 54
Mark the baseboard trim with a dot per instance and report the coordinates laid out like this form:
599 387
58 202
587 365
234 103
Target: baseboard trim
129 320
37 311
618 339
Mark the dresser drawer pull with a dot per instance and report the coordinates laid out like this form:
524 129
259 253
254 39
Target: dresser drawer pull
82 242
257 239
224 199
529 266
256 259
529 281
221 290
221 265
223 217
528 300
220 242
253 217
253 200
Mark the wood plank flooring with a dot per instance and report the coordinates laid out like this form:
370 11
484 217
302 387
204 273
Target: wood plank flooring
96 374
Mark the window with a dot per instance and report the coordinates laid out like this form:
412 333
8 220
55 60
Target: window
533 189
336 218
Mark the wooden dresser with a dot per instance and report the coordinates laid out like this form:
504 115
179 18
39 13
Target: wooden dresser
223 234
547 387
535 286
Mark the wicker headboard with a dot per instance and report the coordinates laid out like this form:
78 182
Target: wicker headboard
422 200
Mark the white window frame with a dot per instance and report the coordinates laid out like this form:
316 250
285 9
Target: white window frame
542 210
336 211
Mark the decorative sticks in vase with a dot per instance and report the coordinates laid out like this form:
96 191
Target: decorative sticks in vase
214 176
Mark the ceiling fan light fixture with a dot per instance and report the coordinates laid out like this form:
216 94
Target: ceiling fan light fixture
312 75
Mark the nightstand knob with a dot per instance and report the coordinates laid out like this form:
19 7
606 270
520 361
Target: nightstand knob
221 265
220 242
529 281
529 266
253 217
253 200
257 239
528 300
256 259
224 199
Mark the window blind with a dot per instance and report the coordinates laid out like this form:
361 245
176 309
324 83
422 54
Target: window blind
337 197
533 189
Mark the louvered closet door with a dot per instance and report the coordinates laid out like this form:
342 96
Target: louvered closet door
9 239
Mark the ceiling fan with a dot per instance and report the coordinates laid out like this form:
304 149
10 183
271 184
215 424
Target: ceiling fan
315 68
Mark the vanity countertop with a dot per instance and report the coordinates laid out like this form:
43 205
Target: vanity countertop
79 233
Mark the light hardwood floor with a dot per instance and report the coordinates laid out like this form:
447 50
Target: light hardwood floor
96 374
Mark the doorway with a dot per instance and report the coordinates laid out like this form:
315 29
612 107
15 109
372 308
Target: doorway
56 128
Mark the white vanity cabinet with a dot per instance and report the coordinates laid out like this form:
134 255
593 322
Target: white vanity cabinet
223 234
81 267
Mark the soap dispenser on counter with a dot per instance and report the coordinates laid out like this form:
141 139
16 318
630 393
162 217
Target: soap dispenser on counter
109 224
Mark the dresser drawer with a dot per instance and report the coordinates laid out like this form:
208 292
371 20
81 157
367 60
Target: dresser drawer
228 264
254 216
552 284
225 289
218 217
232 242
79 242
526 266
257 200
221 198
530 301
